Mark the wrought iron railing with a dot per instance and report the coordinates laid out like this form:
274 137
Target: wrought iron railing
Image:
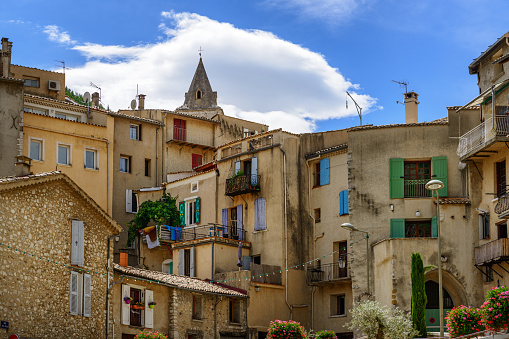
326 273
416 188
479 136
179 234
240 184
502 206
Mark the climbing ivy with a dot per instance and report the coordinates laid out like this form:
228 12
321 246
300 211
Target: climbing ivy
163 212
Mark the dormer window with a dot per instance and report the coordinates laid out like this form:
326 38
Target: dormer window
198 94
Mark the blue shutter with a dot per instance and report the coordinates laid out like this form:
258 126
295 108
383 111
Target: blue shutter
325 171
346 202
343 202
434 228
254 171
224 220
239 221
397 228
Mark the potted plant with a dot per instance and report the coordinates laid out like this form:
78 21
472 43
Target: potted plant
152 304
128 300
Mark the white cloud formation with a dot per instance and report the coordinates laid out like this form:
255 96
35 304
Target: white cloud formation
257 75
54 34
331 10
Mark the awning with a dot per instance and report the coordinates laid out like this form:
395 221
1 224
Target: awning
486 95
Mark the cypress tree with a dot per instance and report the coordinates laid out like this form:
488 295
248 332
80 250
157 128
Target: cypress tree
419 298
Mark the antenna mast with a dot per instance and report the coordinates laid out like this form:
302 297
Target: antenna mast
402 83
63 65
359 108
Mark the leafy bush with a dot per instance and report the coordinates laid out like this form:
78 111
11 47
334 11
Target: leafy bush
286 329
150 335
495 310
464 320
375 321
325 335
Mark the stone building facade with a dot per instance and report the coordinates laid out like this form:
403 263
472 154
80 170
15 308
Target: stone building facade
53 258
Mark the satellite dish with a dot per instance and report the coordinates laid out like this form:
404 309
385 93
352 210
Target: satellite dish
133 104
86 97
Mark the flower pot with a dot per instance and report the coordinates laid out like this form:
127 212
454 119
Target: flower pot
151 306
127 301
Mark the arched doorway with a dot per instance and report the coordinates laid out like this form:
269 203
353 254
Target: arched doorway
432 306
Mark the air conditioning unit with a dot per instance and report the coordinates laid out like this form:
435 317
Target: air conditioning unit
53 85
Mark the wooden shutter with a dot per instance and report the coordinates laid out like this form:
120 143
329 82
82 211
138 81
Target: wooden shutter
126 308
182 262
397 228
343 202
78 244
149 312
191 261
434 228
224 220
397 178
254 171
182 213
257 212
128 201
87 295
325 171
239 221
260 214
439 167
197 212
74 298
237 167
246 262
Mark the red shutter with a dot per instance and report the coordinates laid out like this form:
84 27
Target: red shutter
197 160
179 129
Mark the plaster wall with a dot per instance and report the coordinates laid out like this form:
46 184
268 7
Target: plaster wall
11 122
21 72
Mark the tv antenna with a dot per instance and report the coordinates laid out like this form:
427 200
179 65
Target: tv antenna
402 83
359 108
99 88
62 65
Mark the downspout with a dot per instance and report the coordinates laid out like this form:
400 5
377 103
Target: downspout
108 180
215 316
163 150
108 287
493 116
286 234
157 158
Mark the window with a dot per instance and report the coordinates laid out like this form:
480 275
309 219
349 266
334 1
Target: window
179 129
131 201
64 154
80 294
257 259
316 175
91 159
125 164
167 266
498 68
186 262
67 117
137 312
147 167
408 178
337 305
500 178
35 111
260 214
189 211
197 307
194 187
31 82
234 311
197 160
246 132
77 243
488 274
198 94
401 228
321 176
340 252
343 202
502 230
317 215
36 149
484 226
135 132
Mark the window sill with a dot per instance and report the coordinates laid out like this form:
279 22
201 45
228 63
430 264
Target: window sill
67 165
38 161
260 231
92 169
234 324
338 316
197 320
124 172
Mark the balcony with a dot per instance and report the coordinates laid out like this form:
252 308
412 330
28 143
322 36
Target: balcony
267 274
483 136
502 207
416 188
180 234
241 184
492 252
194 139
327 273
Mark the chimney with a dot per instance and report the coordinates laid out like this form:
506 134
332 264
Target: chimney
141 102
23 165
6 57
411 103
95 99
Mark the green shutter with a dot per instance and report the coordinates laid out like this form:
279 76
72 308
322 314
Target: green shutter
397 184
439 165
197 213
434 228
397 228
182 213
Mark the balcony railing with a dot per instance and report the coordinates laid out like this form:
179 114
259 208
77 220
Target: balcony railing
186 136
416 188
327 273
241 184
268 274
180 234
479 136
502 207
492 252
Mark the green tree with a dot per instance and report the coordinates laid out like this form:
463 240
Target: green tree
419 298
163 211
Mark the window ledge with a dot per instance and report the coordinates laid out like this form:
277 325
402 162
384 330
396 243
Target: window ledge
235 324
92 169
67 165
260 231
125 172
197 320
338 316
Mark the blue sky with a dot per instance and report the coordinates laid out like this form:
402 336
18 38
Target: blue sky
287 63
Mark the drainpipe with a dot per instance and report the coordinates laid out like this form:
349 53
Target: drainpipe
215 316
157 158
108 180
163 149
108 287
286 234
493 116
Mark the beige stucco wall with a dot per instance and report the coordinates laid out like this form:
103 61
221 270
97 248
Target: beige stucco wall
36 219
231 128
11 121
20 72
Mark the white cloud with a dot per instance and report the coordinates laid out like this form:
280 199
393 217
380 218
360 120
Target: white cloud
331 10
257 75
54 34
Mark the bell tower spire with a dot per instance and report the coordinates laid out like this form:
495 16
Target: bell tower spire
200 94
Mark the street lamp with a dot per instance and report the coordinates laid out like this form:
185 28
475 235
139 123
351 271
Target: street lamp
434 186
351 228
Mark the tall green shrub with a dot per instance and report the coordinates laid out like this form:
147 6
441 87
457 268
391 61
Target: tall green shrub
419 298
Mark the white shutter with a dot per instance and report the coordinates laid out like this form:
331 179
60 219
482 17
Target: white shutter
128 201
87 294
182 262
149 313
74 293
191 260
126 308
78 243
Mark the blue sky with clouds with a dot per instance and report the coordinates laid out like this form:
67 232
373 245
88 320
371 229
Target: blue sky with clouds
287 63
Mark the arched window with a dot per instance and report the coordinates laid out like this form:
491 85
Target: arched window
198 94
432 295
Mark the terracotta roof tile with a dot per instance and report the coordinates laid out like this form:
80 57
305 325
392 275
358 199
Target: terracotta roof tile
441 121
454 201
326 150
6 180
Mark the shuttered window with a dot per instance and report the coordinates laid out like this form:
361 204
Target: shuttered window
182 213
343 202
260 215
197 160
240 225
325 171
397 228
413 229
74 293
87 295
408 178
77 243
149 312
